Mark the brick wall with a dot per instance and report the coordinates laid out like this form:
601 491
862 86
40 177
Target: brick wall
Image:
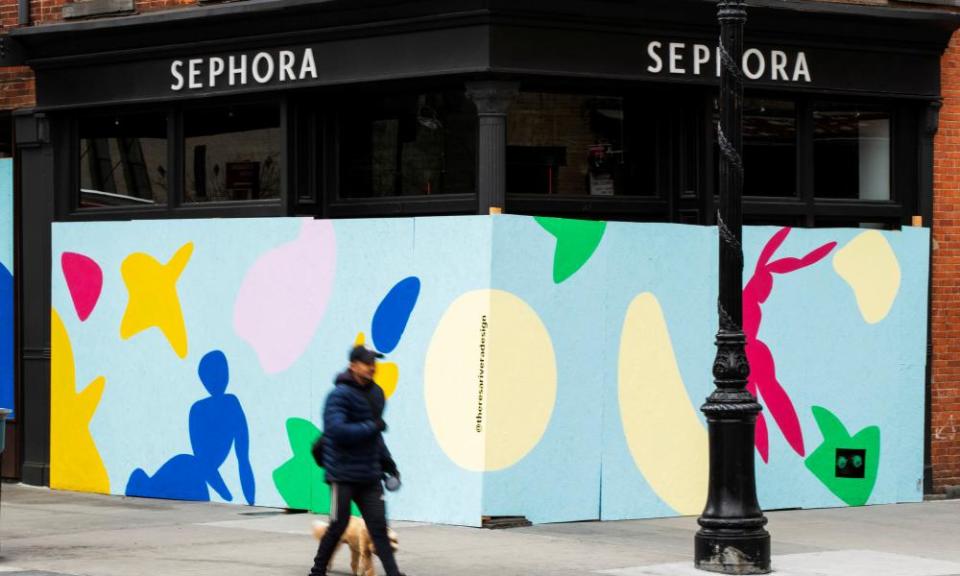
150 5
16 88
48 11
945 321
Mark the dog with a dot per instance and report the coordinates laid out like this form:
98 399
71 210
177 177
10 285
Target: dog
357 538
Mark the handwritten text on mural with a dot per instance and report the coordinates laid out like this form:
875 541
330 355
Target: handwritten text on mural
483 357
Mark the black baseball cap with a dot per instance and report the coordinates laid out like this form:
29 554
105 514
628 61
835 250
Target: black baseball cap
365 355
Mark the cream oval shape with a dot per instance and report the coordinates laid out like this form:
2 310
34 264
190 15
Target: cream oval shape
870 267
665 437
490 380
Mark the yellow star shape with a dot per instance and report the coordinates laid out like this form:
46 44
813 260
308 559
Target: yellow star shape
153 297
75 462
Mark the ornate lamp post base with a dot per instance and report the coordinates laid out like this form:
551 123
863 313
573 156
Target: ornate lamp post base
739 552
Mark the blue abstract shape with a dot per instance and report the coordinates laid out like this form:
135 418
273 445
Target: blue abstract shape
214 372
6 340
217 424
393 313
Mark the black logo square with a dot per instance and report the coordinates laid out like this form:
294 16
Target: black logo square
850 463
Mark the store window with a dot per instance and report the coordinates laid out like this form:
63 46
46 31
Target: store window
827 163
123 160
6 134
408 145
574 145
769 147
851 148
232 153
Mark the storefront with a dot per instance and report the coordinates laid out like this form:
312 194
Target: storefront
583 109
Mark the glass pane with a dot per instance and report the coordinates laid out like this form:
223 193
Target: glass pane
123 160
6 134
853 222
769 147
571 144
408 145
851 153
232 153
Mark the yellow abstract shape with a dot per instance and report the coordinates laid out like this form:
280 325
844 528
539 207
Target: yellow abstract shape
153 297
666 439
490 380
386 377
388 374
870 266
75 463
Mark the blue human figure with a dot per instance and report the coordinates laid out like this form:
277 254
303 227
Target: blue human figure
217 423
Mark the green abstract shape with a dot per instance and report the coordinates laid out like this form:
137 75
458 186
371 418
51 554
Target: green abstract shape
299 480
577 240
823 461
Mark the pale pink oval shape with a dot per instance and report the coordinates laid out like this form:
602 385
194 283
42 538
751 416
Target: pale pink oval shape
84 281
284 296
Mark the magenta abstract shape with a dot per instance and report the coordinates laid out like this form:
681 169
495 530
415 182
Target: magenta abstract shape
761 439
762 382
84 281
284 296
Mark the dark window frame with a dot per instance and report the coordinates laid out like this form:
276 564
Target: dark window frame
145 111
66 132
686 164
672 200
192 106
812 211
323 155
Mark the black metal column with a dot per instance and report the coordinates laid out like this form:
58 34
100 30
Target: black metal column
732 538
37 180
493 100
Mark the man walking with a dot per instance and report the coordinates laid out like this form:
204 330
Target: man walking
355 458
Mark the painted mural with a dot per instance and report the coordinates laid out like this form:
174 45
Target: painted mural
6 285
534 366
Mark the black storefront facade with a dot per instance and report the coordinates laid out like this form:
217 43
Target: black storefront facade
582 109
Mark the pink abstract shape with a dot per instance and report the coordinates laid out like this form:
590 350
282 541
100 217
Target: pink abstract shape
760 438
763 382
84 281
284 296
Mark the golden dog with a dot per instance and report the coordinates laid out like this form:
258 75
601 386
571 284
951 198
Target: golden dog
357 538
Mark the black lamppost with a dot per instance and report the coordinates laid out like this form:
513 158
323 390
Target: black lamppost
732 538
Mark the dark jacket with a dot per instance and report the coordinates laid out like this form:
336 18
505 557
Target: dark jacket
354 449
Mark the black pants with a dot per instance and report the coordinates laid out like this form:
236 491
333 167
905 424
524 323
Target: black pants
369 499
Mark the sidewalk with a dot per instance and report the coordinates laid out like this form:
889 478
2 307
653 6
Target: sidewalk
44 533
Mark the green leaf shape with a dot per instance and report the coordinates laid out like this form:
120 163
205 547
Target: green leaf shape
299 480
822 462
577 240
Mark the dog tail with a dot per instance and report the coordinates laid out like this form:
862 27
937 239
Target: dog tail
319 528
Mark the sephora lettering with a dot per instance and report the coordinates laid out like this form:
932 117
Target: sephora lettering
698 59
241 69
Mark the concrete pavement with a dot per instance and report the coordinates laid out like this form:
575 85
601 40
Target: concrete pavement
47 533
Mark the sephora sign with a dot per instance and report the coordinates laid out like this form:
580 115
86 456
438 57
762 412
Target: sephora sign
680 58
240 69
299 65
